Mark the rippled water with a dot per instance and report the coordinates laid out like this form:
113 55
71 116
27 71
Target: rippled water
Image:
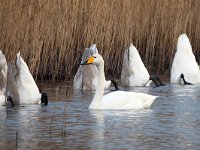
172 122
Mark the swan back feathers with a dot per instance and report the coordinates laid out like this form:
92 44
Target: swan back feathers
184 62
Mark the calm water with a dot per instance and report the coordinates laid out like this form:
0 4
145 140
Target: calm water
172 122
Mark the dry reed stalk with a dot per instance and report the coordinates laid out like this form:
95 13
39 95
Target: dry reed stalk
52 35
57 90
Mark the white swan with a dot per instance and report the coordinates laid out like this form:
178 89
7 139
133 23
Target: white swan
87 76
134 73
184 63
2 99
26 86
11 89
117 99
3 78
3 69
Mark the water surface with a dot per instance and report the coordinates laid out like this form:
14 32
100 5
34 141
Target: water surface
172 122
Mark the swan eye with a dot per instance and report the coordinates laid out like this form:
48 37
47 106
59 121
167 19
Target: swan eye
94 57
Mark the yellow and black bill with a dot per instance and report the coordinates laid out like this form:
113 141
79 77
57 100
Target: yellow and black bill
89 61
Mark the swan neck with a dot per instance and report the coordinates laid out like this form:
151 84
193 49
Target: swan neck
101 83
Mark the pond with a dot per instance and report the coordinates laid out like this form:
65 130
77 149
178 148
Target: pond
172 122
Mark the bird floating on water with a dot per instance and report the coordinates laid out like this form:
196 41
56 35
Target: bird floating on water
184 68
117 99
134 72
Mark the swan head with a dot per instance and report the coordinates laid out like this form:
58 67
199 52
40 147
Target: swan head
44 99
89 52
95 59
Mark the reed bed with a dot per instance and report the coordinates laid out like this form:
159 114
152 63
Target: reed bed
52 34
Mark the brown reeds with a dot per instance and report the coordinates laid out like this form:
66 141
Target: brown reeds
52 34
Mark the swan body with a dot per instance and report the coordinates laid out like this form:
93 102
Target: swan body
117 99
134 73
87 76
11 89
3 78
2 99
184 63
3 72
26 86
124 100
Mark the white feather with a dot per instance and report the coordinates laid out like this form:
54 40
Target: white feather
2 99
26 86
87 76
117 99
134 73
184 62
4 70
3 78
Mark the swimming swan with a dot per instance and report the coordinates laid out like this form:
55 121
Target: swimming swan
134 73
26 86
87 76
184 63
117 99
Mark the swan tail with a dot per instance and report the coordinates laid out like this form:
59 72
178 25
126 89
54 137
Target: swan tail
149 101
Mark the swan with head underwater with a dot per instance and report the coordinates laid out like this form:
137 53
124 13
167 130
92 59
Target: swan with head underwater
26 86
3 78
87 76
134 72
118 99
4 98
184 66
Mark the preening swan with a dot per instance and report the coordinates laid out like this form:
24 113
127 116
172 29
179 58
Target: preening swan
26 86
86 76
117 99
134 73
184 63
